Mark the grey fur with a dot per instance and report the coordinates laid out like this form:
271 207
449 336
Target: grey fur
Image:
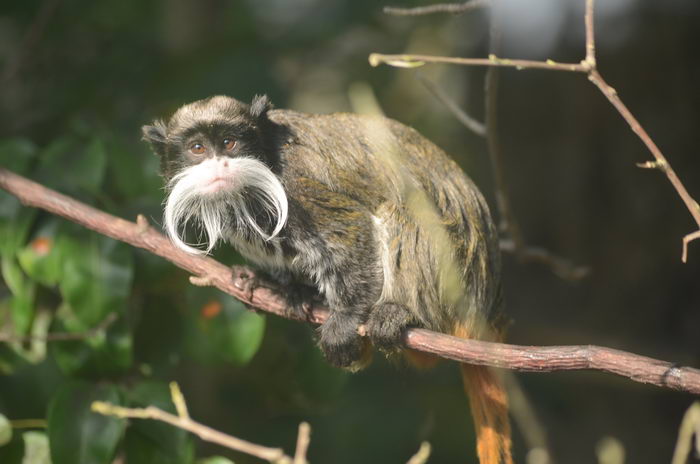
388 228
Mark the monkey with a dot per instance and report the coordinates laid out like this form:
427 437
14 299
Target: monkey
379 220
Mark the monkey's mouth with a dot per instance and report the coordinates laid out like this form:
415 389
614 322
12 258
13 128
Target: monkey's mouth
214 185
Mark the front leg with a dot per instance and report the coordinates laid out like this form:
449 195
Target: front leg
349 299
334 243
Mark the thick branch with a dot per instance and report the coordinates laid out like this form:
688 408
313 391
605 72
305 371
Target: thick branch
266 298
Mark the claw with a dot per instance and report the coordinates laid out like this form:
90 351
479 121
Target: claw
246 281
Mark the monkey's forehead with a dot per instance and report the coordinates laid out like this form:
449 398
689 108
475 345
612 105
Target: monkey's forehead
218 110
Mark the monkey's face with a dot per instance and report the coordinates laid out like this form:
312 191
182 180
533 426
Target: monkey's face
218 171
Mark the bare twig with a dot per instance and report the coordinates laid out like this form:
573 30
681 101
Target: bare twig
273 455
29 423
467 121
508 221
179 401
689 426
61 336
415 61
562 267
452 8
525 416
267 297
303 440
422 455
516 244
587 66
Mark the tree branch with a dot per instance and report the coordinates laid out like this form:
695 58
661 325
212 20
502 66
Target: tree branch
452 8
587 66
183 421
266 297
61 336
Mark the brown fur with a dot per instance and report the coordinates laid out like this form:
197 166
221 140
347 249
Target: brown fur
489 407
381 221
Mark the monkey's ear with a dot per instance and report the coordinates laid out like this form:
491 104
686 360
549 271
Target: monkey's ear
156 136
260 106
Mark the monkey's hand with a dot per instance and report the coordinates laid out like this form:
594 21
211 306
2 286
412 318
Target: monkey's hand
341 343
301 296
246 280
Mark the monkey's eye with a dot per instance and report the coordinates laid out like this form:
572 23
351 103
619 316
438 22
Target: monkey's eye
197 149
229 144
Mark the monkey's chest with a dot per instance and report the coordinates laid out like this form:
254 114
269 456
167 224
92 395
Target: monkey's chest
265 254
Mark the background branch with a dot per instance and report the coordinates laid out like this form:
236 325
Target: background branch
453 8
61 336
266 298
588 66
183 421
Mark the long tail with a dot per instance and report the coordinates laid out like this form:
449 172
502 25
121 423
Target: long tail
489 404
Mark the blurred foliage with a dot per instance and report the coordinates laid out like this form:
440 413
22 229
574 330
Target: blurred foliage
79 78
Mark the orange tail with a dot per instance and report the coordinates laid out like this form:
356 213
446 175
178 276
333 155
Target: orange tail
489 405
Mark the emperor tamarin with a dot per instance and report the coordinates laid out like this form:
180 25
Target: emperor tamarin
385 226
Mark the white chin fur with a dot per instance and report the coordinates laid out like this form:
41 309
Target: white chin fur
209 191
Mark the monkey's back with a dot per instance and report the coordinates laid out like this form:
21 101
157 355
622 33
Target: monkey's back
437 246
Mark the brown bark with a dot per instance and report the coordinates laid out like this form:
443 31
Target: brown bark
266 298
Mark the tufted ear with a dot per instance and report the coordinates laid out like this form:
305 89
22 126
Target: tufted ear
260 106
156 136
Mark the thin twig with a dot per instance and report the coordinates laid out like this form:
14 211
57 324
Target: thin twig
587 66
61 336
422 455
467 121
561 267
274 455
267 297
451 8
689 426
303 440
415 61
525 416
179 401
29 423
508 221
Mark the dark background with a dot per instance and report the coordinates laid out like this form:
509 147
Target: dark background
84 70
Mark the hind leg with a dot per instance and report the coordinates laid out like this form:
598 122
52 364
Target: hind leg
386 325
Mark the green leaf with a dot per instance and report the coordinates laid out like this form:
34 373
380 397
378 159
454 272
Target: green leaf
136 173
76 433
13 452
72 163
36 448
152 442
223 330
22 301
105 354
16 153
5 430
41 257
15 221
97 275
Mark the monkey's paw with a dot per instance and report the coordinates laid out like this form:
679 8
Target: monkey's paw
341 344
244 279
386 324
301 299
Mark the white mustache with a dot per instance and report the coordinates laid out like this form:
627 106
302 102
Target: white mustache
246 179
